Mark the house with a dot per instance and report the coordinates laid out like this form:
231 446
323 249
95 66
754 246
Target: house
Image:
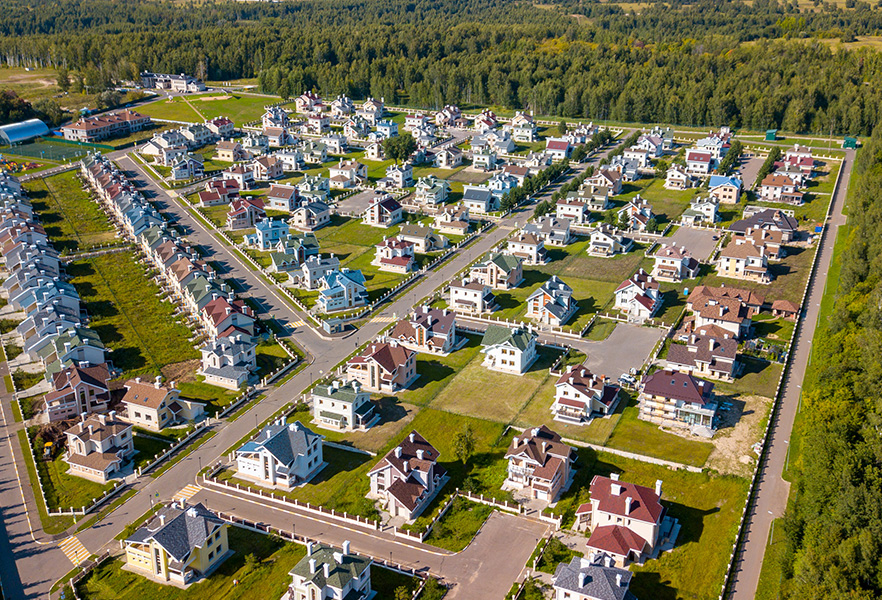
484 158
229 361
176 83
519 173
573 209
678 178
636 214
675 399
552 303
266 168
771 220
343 406
243 176
479 199
336 144
326 572
448 158
196 135
424 240
255 143
699 163
395 255
372 110
499 271
107 125
447 116
612 180
374 151
97 447
427 330
523 128
342 289
551 230
431 191
342 106
275 116
779 188
627 522
528 248
471 296
384 367
282 455
638 296
221 317
346 174
710 352
579 396
315 268
453 220
628 168
485 121
308 102
190 166
673 264
539 462
315 187
387 129
220 127
245 212
652 144
278 137
80 345
77 391
310 215
154 406
725 189
605 240
592 578
415 121
282 197
638 155
744 261
558 148
785 309
317 124
384 211
267 234
701 210
407 478
356 128
314 153
219 191
401 176
510 350
731 309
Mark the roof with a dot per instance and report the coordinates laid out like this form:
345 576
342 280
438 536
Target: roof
179 530
736 250
611 497
389 355
585 382
97 427
414 452
540 444
343 568
284 441
703 292
703 348
347 391
497 335
772 217
23 131
718 180
436 321
785 305
506 262
616 539
600 582
678 386
149 395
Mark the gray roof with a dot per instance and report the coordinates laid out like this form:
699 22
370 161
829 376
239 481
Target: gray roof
178 530
600 581
340 573
345 392
285 442
477 194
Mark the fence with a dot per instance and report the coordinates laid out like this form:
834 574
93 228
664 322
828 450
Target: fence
163 456
85 570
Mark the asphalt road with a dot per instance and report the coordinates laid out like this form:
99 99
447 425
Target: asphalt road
773 491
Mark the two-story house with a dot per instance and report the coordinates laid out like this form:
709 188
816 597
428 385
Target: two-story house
711 351
76 391
579 396
229 361
552 303
427 330
326 572
529 248
383 211
540 463
470 296
384 367
674 399
592 578
509 349
638 296
395 255
674 263
283 455
97 447
499 271
342 289
407 478
744 261
343 406
154 406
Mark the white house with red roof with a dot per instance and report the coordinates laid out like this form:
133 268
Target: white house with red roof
539 463
242 175
245 212
638 296
428 330
558 148
407 478
384 211
395 255
384 367
626 521
698 162
308 102
579 396
221 127
223 318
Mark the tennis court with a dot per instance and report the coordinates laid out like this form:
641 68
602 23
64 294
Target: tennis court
47 151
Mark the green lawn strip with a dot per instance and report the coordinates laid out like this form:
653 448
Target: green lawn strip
148 448
455 530
758 377
245 407
601 329
790 274
436 372
61 582
7 379
182 454
29 405
215 398
25 380
771 575
133 526
271 357
12 350
106 509
16 412
641 437
51 525
555 553
386 581
140 328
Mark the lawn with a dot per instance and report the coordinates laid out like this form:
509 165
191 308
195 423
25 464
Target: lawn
668 205
51 525
139 328
173 109
633 435
758 377
791 275
775 330
72 219
555 553
771 575
62 490
148 448
240 108
25 380
215 398
455 530
270 357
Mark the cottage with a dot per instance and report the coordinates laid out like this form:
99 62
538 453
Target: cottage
729 308
447 116
674 264
528 248
725 189
479 199
343 406
551 230
699 163
423 238
431 191
310 215
539 463
509 350
400 176
558 148
605 241
154 406
523 128
220 127
638 297
326 572
484 158
675 399
267 234
372 110
245 213
266 168
448 158
384 211
77 391
229 361
346 174
243 176
97 447
579 396
108 125
275 116
471 296
315 187
342 289
780 188
636 214
593 578
744 261
342 106
427 330
384 367
701 210
395 255
612 180
771 220
283 455
407 478
315 268
552 303
336 143
710 352
786 309
678 178
387 129
278 137
314 153
499 271
374 151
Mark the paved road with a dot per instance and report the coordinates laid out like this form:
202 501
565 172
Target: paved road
773 490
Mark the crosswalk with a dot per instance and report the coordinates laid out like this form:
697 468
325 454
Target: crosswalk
383 319
74 550
299 323
188 492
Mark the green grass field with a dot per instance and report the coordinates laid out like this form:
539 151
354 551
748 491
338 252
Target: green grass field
61 489
455 530
139 328
791 275
72 219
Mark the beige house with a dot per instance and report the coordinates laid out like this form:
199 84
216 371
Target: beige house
154 406
407 478
539 463
97 447
384 367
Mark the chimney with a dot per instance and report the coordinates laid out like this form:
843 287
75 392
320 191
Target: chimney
420 454
397 451
582 577
102 419
346 548
618 579
406 465
137 380
658 487
312 566
516 441
615 489
412 437
309 548
628 502
327 568
66 347
614 476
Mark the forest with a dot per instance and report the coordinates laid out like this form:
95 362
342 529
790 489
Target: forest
705 63
834 523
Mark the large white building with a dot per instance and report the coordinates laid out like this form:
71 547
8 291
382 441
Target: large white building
283 455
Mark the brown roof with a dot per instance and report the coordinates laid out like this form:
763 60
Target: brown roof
100 431
144 394
409 448
735 250
539 444
777 180
586 383
216 310
678 386
434 320
785 305
65 380
748 297
703 348
387 355
645 503
97 461
616 539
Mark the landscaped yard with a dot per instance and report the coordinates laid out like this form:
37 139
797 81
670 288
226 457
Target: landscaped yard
72 219
758 377
790 274
141 329
148 447
63 491
215 398
455 530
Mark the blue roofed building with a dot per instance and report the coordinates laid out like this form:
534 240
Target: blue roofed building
342 289
24 131
267 234
725 189
283 455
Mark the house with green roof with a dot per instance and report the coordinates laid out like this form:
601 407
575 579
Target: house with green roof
343 406
77 346
328 572
509 349
499 271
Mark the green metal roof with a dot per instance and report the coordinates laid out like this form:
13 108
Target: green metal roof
497 334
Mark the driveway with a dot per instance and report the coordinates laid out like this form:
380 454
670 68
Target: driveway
357 204
627 347
749 168
699 242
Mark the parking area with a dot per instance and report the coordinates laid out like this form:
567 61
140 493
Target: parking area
627 347
749 168
356 204
699 242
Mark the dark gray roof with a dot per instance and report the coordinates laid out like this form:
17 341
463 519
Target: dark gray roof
343 568
284 441
179 530
600 581
477 194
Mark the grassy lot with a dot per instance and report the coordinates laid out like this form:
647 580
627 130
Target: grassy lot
215 398
601 329
24 380
148 448
668 205
758 377
173 109
633 435
241 108
790 274
459 525
436 372
270 357
51 525
71 217
133 322
63 490
555 553
776 330
30 405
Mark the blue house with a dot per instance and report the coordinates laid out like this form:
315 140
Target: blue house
388 129
267 234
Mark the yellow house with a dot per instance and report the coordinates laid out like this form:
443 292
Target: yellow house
179 545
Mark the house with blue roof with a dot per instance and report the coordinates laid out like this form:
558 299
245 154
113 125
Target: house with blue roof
283 455
268 233
387 129
341 290
725 189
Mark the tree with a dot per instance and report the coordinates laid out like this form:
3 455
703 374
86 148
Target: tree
402 593
62 78
109 99
562 127
399 148
464 443
610 217
78 86
251 562
433 590
49 111
652 225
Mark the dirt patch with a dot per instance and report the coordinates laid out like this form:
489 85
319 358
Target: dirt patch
469 175
210 98
740 428
182 371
